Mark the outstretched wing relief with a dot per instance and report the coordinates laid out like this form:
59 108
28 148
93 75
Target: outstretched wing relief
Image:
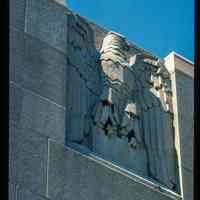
145 137
129 120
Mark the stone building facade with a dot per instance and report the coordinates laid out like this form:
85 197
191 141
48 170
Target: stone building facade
93 116
182 76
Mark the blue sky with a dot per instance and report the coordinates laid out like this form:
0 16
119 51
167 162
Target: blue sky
158 26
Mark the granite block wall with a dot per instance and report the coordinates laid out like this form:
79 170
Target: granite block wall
38 74
47 21
88 178
36 66
52 66
17 14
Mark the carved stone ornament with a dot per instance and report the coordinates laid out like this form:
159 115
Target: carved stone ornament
135 106
121 107
113 62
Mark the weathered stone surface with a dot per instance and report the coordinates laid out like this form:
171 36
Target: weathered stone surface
187 155
82 53
185 98
15 103
54 64
74 175
47 20
115 148
63 176
182 75
38 67
80 101
99 34
12 192
118 84
28 158
24 194
28 110
17 14
185 103
187 183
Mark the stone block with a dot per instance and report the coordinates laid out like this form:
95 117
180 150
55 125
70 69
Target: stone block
185 95
187 176
47 20
28 159
118 151
31 111
17 14
15 103
75 176
187 153
185 103
99 34
63 176
12 192
80 102
87 69
28 195
38 67
82 52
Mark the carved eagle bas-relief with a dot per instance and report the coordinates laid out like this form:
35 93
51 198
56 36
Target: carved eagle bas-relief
135 108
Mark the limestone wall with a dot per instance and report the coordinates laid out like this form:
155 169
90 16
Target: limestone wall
182 75
185 99
53 66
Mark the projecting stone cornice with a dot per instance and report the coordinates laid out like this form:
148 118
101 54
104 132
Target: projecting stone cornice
179 63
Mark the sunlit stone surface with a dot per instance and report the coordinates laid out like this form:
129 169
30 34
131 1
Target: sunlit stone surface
93 116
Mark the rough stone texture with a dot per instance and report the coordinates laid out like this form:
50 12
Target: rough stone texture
42 116
17 13
47 21
38 67
72 175
187 183
17 192
185 97
84 77
185 104
99 34
115 149
26 194
55 79
28 158
12 192
15 104
80 101
119 92
82 53
182 74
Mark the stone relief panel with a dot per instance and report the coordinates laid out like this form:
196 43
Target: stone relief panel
83 86
126 116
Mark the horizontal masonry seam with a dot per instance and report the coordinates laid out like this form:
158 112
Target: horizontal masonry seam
19 127
38 95
148 183
37 38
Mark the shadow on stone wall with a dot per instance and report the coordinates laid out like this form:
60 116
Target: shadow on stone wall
124 114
